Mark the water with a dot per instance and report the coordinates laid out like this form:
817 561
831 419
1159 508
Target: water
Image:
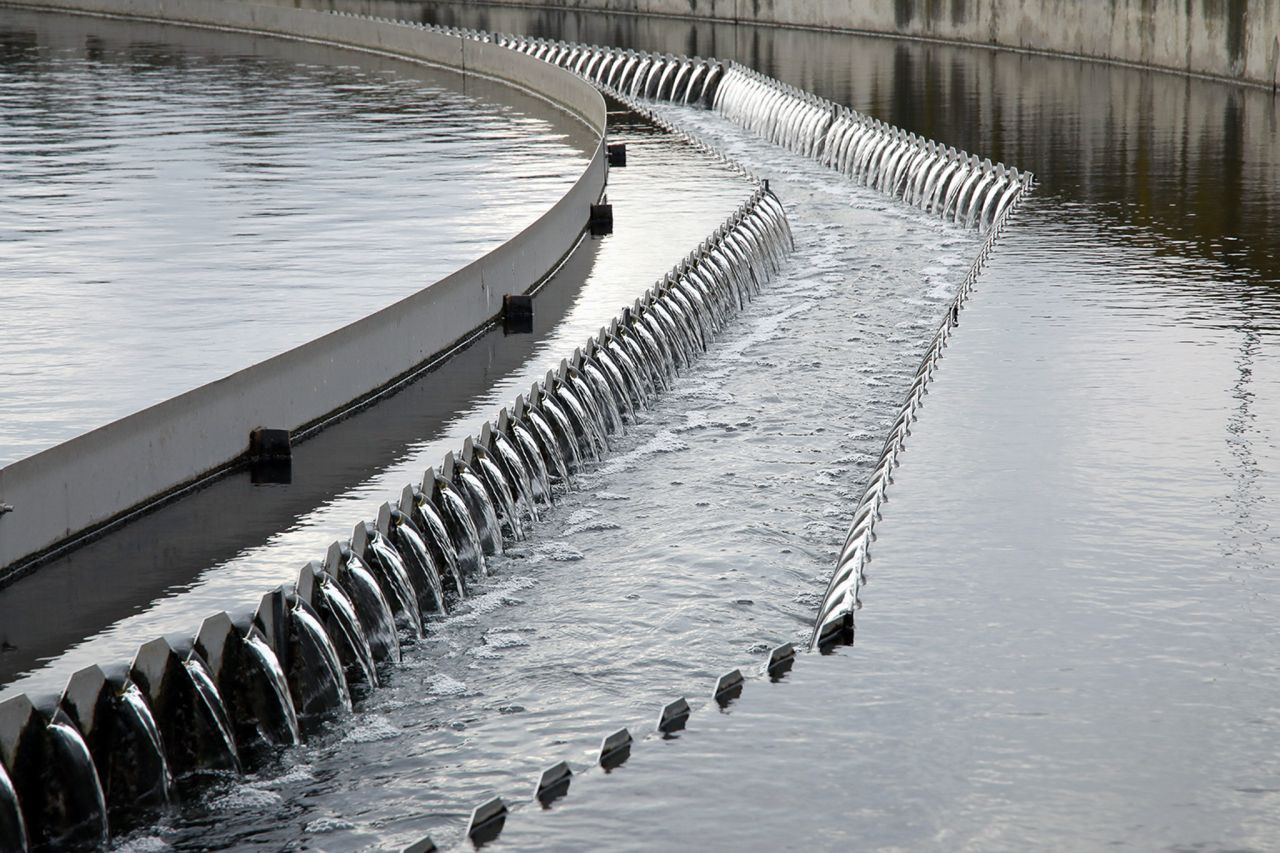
1066 639
702 540
1066 635
179 205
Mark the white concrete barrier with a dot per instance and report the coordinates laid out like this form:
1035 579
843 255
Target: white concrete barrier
83 485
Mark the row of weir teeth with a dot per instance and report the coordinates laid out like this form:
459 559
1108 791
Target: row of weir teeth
834 621
953 185
122 742
692 80
635 73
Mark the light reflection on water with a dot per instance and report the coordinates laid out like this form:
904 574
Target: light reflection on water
173 214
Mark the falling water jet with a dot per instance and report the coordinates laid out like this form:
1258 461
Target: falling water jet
476 497
610 398
251 682
524 466
338 617
385 564
53 777
543 403
462 529
435 535
500 490
124 742
188 711
376 617
531 426
495 447
569 376
398 528
13 830
581 424
310 663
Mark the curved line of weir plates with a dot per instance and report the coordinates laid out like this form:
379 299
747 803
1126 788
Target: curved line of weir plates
120 743
834 622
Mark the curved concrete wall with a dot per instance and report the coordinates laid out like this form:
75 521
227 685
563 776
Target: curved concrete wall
1233 39
87 482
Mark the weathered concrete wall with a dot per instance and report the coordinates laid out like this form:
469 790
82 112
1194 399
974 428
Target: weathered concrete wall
96 477
1236 39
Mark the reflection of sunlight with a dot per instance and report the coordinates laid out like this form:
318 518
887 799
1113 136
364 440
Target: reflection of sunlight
216 209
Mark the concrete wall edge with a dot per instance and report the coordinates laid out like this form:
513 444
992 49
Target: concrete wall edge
78 490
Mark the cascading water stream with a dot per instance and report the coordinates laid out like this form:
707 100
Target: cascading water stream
207 694
277 683
372 608
13 830
397 586
322 659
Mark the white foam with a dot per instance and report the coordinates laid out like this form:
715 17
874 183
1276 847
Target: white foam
441 684
371 730
559 552
328 824
145 844
247 797
505 641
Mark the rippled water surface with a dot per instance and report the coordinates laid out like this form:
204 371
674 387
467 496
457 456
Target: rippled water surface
177 205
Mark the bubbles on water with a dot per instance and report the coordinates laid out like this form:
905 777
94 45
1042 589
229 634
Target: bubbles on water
808 598
247 798
831 476
295 775
496 595
559 552
588 521
663 442
371 729
142 844
442 684
504 640
611 496
322 825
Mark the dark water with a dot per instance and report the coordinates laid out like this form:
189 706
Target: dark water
178 206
